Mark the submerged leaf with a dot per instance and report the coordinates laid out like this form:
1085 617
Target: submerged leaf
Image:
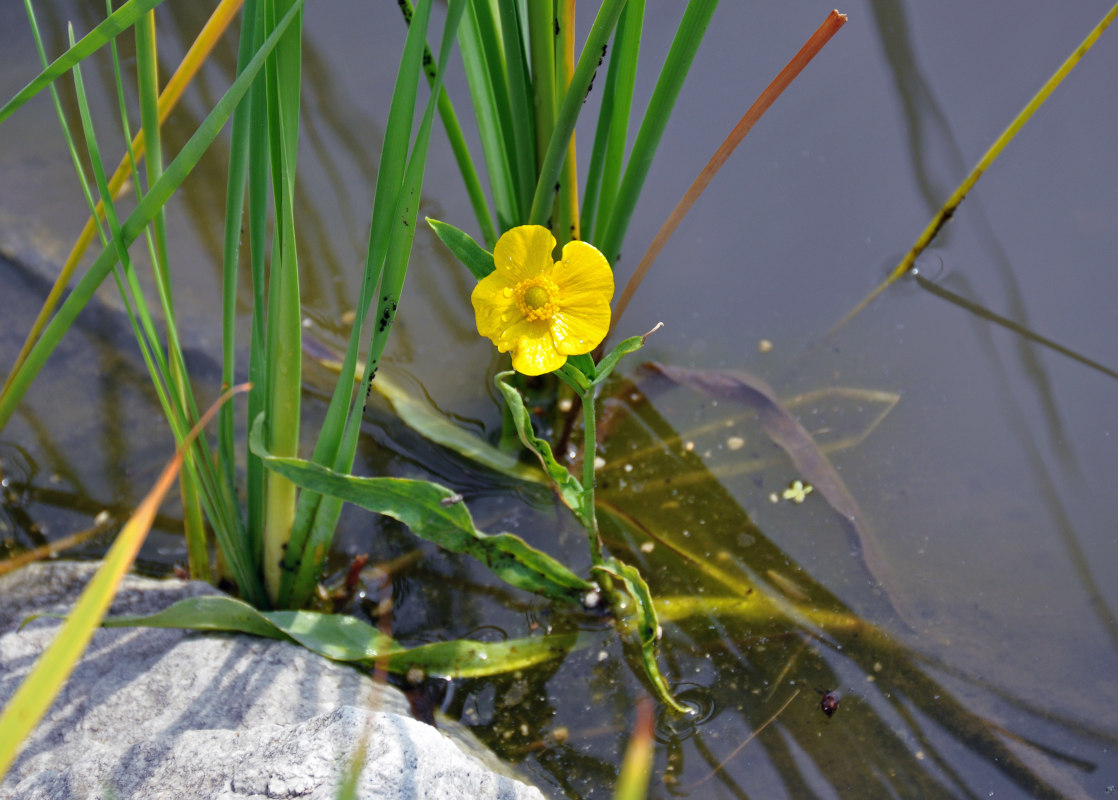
347 639
791 436
420 415
436 514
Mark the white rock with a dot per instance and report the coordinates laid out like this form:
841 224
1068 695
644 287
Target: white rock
170 714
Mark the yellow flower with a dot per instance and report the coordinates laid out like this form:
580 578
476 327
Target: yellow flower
540 310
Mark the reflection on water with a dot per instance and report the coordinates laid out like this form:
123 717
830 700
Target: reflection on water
980 457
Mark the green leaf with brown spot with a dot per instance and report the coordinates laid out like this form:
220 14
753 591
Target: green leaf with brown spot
436 514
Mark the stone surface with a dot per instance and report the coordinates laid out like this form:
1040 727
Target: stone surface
167 714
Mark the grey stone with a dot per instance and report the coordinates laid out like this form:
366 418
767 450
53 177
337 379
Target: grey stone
168 714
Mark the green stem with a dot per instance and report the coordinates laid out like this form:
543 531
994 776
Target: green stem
589 455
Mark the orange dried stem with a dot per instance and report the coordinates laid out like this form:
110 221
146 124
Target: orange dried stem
822 35
196 56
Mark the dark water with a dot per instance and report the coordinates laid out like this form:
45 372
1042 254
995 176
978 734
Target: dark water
988 666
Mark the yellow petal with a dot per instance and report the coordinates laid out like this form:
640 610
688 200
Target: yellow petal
585 283
575 334
533 349
494 306
584 277
537 356
524 252
521 330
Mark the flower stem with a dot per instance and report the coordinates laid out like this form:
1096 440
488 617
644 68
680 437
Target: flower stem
589 456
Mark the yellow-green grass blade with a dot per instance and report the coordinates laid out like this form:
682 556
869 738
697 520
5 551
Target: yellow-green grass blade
567 227
118 22
283 349
948 209
191 63
35 695
636 766
156 197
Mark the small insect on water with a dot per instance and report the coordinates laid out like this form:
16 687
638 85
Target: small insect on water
829 703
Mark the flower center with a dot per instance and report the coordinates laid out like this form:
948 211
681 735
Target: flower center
537 298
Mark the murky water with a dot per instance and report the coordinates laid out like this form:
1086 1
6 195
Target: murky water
985 664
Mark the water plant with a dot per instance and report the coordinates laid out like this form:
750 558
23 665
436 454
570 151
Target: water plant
548 318
273 548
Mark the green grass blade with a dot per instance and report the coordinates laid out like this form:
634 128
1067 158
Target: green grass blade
284 349
458 145
687 39
520 117
148 92
472 43
613 129
258 228
592 190
123 19
329 448
131 292
490 29
230 270
145 210
390 291
556 151
541 41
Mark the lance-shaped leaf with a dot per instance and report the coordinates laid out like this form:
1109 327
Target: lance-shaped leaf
343 638
436 514
570 490
648 628
607 364
473 256
420 414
